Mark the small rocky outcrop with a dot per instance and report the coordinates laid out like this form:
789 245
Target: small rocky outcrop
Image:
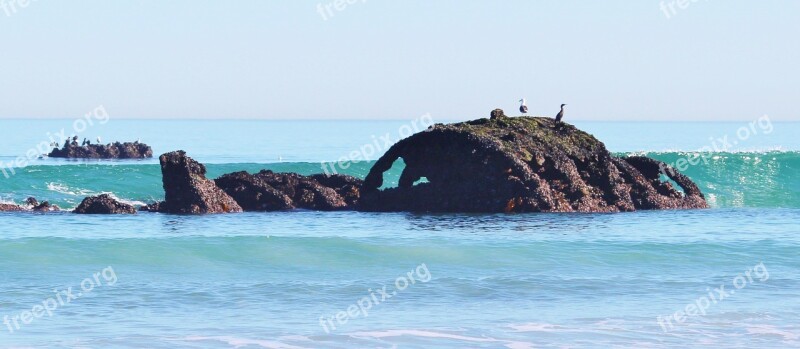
269 191
152 207
650 192
497 114
188 191
41 207
10 208
117 150
103 204
522 164
31 205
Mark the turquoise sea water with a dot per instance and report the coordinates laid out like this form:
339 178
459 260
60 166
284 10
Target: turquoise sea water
278 280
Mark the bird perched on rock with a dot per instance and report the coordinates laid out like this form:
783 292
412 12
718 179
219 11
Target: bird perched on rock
560 114
523 108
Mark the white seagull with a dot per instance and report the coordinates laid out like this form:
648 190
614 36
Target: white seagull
523 108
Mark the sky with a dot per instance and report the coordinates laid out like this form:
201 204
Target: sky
380 59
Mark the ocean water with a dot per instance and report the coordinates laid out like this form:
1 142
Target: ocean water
394 280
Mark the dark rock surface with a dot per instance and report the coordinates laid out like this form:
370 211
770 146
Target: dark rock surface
305 192
269 191
522 164
348 187
10 208
31 205
188 191
41 207
46 207
117 150
103 204
253 193
497 114
152 207
650 192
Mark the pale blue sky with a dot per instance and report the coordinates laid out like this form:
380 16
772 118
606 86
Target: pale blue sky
609 60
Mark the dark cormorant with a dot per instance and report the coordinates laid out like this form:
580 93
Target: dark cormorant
523 108
560 114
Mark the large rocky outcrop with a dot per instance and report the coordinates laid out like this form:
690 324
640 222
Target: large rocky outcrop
504 164
103 204
188 191
117 150
522 164
269 191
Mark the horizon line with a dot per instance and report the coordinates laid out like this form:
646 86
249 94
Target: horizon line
372 120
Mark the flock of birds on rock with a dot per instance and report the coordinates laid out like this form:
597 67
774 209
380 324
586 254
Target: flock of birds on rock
74 142
523 108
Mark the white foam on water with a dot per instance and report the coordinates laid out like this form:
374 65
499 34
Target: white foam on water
440 335
79 192
537 327
238 342
64 189
774 331
125 201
